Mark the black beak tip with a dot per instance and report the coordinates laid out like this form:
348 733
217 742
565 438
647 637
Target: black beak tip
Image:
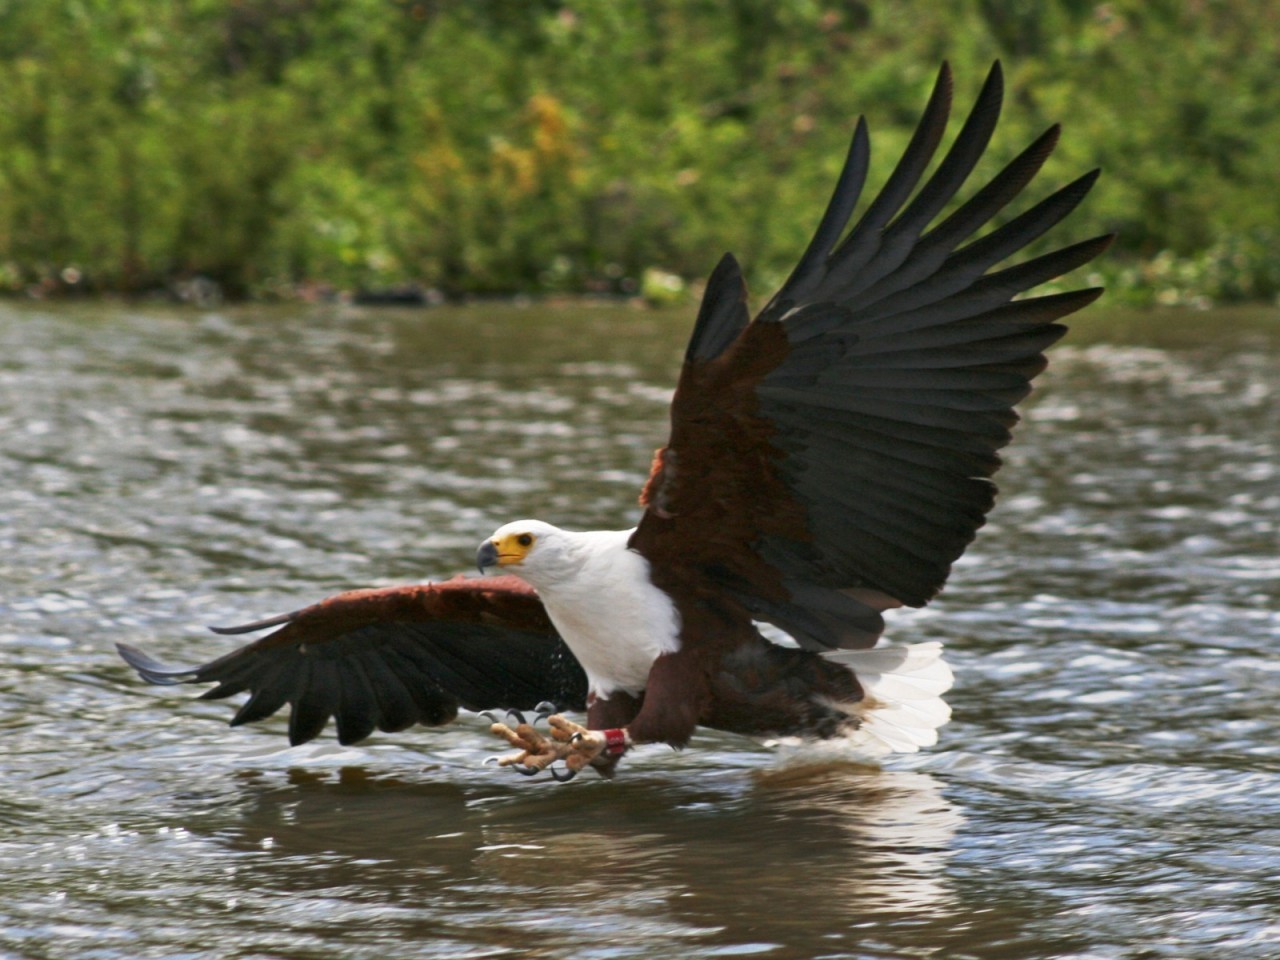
486 557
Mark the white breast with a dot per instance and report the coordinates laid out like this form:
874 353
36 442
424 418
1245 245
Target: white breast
616 622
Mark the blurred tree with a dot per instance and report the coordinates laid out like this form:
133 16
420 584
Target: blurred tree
483 145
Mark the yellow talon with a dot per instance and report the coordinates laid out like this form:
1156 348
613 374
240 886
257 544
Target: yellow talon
571 742
533 750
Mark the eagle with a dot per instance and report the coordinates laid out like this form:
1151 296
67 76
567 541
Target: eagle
827 461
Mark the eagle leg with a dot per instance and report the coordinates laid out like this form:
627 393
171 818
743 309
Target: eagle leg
600 749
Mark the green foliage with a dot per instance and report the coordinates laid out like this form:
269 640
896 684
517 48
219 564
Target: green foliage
484 146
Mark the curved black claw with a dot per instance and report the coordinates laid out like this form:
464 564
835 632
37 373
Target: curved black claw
489 715
569 774
518 716
545 709
488 760
526 771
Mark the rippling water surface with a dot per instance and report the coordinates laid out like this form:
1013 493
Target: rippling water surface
1110 786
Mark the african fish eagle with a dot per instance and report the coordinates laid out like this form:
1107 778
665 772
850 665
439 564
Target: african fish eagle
827 461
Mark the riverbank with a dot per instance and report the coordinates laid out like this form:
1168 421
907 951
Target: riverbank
1165 281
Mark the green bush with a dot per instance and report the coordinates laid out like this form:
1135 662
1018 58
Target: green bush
482 146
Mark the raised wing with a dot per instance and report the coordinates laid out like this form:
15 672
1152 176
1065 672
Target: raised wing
387 659
832 458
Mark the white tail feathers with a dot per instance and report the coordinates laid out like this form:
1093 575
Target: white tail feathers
902 706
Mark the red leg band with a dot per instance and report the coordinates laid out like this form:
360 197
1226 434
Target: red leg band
615 742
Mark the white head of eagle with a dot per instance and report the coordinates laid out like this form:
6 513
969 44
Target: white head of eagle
531 549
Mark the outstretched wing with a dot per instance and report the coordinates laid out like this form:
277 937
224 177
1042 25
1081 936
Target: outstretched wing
832 458
387 659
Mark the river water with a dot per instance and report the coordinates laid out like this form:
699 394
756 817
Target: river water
1110 786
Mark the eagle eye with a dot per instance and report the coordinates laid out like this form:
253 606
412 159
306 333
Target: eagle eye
525 539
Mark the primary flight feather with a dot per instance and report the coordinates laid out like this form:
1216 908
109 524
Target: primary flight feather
827 461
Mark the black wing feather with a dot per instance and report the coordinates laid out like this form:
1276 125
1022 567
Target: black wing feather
865 240
388 659
919 345
315 700
723 313
883 378
843 200
269 695
956 166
